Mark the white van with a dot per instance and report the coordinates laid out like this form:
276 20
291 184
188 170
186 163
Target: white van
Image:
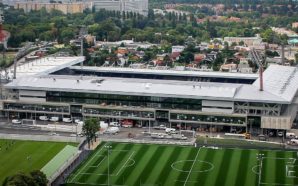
55 119
170 130
44 118
290 135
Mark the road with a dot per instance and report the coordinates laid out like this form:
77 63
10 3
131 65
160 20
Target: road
8 128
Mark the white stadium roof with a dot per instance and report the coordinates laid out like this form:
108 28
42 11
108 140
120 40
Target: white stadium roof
167 72
42 66
166 88
281 81
280 86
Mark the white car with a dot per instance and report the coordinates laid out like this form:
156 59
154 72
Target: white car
67 120
53 134
79 122
16 121
55 119
112 130
115 124
44 118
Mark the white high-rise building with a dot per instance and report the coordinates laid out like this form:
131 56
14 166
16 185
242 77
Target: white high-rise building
137 6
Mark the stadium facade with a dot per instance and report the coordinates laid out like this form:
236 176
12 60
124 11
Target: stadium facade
189 104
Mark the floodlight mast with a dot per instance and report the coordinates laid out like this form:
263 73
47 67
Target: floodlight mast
261 63
108 147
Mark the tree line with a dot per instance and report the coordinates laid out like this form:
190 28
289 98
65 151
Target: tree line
171 28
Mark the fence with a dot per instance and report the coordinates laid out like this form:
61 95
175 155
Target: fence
69 167
146 141
41 138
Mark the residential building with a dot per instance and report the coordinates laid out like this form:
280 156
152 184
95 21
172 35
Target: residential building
295 25
177 48
248 41
137 6
66 8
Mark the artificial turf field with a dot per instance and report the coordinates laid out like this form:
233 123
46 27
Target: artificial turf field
143 164
25 156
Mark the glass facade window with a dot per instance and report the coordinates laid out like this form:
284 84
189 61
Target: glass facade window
121 113
35 107
207 118
125 100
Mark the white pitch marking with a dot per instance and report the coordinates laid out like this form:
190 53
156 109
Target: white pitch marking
88 163
125 163
192 167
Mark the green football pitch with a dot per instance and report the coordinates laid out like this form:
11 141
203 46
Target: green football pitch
143 164
24 156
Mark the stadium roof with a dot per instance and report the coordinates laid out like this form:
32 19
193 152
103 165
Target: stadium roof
168 72
281 81
42 66
280 86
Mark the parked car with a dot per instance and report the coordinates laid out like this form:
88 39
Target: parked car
290 135
44 118
262 137
293 142
53 134
170 130
115 124
112 130
160 127
16 121
280 133
79 122
55 119
67 120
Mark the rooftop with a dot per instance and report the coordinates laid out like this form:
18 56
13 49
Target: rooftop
42 66
168 72
280 85
281 81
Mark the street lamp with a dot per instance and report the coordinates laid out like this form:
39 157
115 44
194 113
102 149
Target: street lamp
108 147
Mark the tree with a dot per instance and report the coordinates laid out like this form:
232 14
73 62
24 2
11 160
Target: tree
35 178
39 177
90 127
296 58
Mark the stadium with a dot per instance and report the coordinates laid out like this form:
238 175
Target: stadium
59 87
197 100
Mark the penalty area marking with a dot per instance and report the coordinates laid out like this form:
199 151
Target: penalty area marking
125 163
253 169
104 157
131 164
88 162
